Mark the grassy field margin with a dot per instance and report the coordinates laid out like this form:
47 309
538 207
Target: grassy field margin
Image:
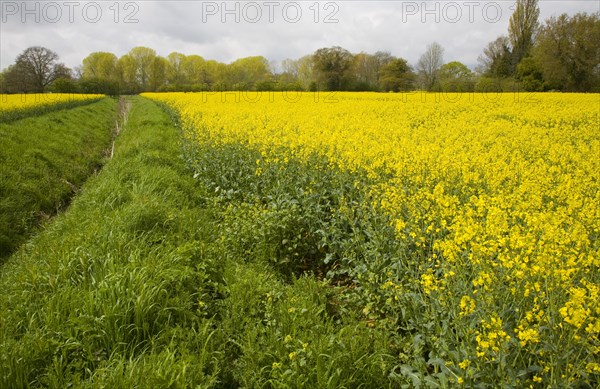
106 294
44 160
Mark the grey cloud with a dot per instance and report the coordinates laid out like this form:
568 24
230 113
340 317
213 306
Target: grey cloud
402 27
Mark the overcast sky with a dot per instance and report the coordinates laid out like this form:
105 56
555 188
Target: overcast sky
227 30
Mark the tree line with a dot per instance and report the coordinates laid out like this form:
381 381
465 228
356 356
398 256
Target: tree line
561 54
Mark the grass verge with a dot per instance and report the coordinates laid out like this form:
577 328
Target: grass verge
104 296
43 161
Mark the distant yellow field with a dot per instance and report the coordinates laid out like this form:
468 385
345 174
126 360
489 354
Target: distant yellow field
18 102
498 193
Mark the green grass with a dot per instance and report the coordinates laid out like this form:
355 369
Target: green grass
107 292
137 285
43 161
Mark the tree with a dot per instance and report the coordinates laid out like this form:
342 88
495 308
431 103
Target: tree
383 58
100 74
98 85
288 78
14 81
496 60
567 51
306 73
126 70
522 28
365 71
175 73
250 71
64 85
530 75
290 66
216 74
456 77
396 76
35 69
429 64
194 71
158 73
138 66
332 66
100 65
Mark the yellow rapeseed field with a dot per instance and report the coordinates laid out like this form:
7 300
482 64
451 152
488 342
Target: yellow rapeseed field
18 102
499 195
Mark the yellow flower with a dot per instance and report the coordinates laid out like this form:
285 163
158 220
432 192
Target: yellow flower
575 311
498 195
467 305
387 285
593 367
492 338
529 335
429 282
